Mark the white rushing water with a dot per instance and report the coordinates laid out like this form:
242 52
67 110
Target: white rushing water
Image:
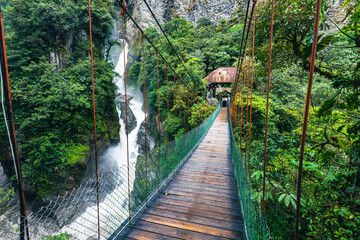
112 207
116 153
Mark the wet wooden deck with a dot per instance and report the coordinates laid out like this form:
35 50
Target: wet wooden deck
201 201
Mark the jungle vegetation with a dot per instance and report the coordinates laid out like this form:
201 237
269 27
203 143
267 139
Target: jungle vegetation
53 108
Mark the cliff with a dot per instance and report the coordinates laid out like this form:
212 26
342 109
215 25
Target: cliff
165 10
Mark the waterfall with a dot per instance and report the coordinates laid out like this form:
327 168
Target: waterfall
114 158
117 154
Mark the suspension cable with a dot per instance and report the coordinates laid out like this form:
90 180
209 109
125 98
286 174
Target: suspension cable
247 94
143 43
126 112
4 65
251 91
239 101
162 30
149 40
6 124
306 116
267 103
242 49
167 118
179 95
174 113
158 96
242 39
242 101
22 222
94 114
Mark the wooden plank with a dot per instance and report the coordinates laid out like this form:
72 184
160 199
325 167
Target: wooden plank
203 191
184 171
197 204
201 200
197 212
198 183
205 181
212 197
207 178
195 219
194 187
203 174
172 231
208 169
139 234
213 164
192 226
208 166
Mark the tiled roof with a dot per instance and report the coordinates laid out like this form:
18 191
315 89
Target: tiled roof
224 75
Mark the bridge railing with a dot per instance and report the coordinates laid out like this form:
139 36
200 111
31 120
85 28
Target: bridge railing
122 198
163 163
255 224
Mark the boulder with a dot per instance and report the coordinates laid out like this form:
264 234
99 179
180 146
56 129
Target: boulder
120 104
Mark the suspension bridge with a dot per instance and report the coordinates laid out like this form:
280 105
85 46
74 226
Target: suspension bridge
196 186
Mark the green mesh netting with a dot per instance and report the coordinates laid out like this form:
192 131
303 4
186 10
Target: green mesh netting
255 224
161 163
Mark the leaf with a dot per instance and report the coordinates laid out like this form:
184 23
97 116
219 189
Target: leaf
325 108
281 197
287 200
324 42
346 2
322 13
293 203
309 39
342 144
257 174
340 128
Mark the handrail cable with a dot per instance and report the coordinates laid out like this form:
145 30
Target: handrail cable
242 39
4 65
162 30
94 116
267 103
251 91
246 39
151 43
126 115
247 95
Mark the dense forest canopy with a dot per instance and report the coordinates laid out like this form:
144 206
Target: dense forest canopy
49 62
51 87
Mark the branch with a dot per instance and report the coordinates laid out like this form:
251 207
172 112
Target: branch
342 46
337 26
317 69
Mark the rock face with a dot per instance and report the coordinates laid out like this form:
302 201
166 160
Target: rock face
337 13
120 103
165 10
213 101
141 138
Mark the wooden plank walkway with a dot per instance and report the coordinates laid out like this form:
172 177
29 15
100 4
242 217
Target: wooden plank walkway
201 201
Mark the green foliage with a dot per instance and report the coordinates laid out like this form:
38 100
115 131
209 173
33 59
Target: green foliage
61 236
50 74
199 113
202 50
5 197
330 206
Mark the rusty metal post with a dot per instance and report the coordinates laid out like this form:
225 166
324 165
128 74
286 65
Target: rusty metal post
306 116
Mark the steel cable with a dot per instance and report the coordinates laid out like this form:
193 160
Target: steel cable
306 116
267 103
